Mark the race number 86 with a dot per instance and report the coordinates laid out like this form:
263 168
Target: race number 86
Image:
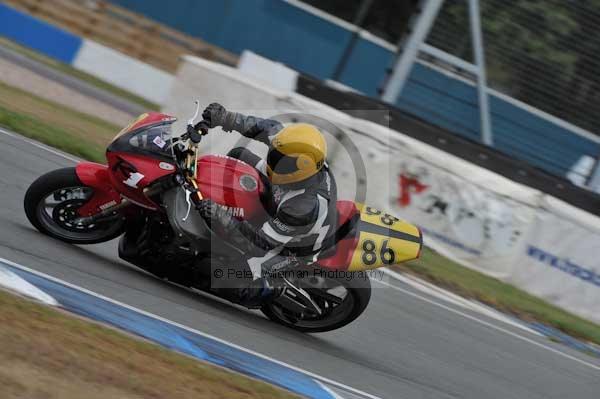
371 253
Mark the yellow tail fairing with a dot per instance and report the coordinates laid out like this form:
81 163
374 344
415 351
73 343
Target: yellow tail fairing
384 240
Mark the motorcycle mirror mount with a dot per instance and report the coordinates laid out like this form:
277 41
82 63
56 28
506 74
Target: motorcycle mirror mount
192 130
193 119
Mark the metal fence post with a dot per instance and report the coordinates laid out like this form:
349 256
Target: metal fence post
359 20
479 55
410 51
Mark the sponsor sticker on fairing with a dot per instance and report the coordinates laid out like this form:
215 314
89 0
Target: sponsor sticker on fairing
160 143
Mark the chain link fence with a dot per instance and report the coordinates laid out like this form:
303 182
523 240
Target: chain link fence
385 19
545 53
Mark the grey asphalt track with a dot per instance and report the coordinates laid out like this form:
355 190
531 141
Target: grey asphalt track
402 347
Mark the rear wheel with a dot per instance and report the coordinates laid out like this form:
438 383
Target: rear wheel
341 299
51 205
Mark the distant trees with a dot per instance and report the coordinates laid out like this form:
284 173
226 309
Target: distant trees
543 52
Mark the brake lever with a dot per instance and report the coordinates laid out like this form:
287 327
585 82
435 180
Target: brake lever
193 118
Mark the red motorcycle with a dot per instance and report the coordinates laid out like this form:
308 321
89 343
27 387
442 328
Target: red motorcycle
147 192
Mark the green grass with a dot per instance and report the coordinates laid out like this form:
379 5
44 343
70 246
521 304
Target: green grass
468 283
54 124
51 135
69 70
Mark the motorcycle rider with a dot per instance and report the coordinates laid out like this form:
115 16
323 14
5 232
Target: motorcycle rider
302 204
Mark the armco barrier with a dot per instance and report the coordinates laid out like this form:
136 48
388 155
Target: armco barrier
473 215
123 71
520 131
112 66
460 146
38 35
277 29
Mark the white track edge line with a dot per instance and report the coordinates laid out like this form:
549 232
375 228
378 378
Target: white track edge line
203 334
39 145
457 300
330 391
492 326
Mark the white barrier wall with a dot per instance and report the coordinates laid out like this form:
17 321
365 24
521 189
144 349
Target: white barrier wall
273 74
123 71
470 214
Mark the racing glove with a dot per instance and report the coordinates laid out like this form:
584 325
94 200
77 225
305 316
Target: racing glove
215 115
250 126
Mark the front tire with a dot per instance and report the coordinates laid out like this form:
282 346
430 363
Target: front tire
51 203
353 304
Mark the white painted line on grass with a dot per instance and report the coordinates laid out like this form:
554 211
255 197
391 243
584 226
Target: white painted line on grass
317 377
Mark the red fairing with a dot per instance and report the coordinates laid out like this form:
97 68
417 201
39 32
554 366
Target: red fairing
131 173
344 250
233 183
342 257
95 175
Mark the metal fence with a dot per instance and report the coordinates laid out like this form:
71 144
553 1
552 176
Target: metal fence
545 53
385 19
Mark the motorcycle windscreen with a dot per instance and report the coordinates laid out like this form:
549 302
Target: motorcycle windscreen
384 240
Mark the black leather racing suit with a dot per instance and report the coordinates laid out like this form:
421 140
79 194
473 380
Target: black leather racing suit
303 215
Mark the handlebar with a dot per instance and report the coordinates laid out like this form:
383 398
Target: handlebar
187 156
194 133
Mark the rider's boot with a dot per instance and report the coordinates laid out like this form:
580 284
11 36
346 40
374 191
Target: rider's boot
258 292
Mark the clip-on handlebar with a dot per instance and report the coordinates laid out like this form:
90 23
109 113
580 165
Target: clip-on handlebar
189 163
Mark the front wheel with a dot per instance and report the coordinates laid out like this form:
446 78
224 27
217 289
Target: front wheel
341 298
51 204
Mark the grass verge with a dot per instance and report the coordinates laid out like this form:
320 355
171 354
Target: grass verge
46 353
468 283
53 124
69 70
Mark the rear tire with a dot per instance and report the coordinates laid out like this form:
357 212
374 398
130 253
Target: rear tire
58 181
358 293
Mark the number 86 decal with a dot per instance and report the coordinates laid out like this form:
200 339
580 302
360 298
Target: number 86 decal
369 256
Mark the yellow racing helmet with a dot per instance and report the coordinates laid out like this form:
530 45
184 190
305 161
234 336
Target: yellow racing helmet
297 153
